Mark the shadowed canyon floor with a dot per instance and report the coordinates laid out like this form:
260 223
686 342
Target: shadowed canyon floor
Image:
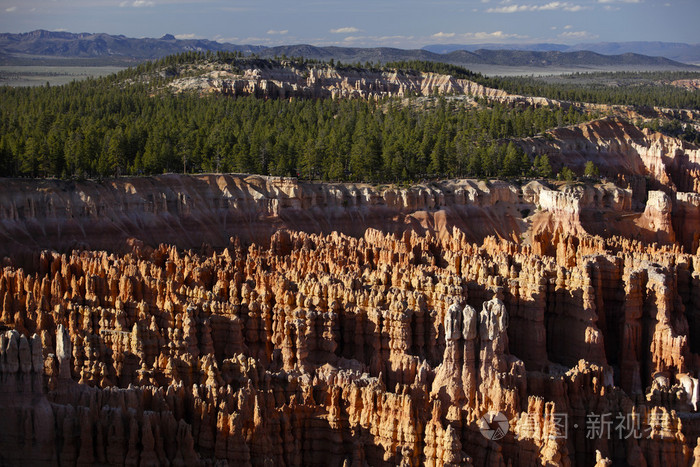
291 323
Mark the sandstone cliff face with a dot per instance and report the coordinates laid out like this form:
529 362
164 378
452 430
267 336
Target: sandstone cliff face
191 210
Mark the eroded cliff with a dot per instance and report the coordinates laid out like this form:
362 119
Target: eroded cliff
196 320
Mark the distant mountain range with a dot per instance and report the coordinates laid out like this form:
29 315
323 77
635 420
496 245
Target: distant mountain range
515 58
680 52
43 44
41 47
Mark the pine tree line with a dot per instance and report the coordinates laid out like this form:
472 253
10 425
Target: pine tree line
94 128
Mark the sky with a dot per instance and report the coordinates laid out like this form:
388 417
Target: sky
366 23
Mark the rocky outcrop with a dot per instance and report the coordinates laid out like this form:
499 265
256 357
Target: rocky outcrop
329 349
623 153
687 83
646 172
326 82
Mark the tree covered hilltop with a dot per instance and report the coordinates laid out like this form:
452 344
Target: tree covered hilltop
134 123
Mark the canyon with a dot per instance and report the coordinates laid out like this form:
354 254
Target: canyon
230 318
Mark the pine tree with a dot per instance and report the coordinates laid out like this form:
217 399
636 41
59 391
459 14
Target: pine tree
591 170
543 167
566 174
511 161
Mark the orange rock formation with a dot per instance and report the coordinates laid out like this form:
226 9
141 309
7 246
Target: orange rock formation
349 324
329 349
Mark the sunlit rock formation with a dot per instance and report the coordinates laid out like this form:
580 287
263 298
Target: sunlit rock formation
195 320
327 349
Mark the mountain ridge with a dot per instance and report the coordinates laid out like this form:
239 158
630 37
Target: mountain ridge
676 51
26 47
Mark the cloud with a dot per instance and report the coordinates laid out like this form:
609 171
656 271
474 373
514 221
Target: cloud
11 9
187 36
568 26
578 35
478 36
221 39
498 35
272 32
565 6
137 3
347 30
619 1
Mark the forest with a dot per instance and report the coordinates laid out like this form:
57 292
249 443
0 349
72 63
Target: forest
102 128
87 130
649 89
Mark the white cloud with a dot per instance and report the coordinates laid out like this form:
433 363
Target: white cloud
11 9
565 6
222 39
568 26
187 36
137 3
509 9
477 36
273 32
492 35
619 1
346 30
577 35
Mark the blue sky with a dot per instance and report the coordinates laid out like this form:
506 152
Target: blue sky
405 24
